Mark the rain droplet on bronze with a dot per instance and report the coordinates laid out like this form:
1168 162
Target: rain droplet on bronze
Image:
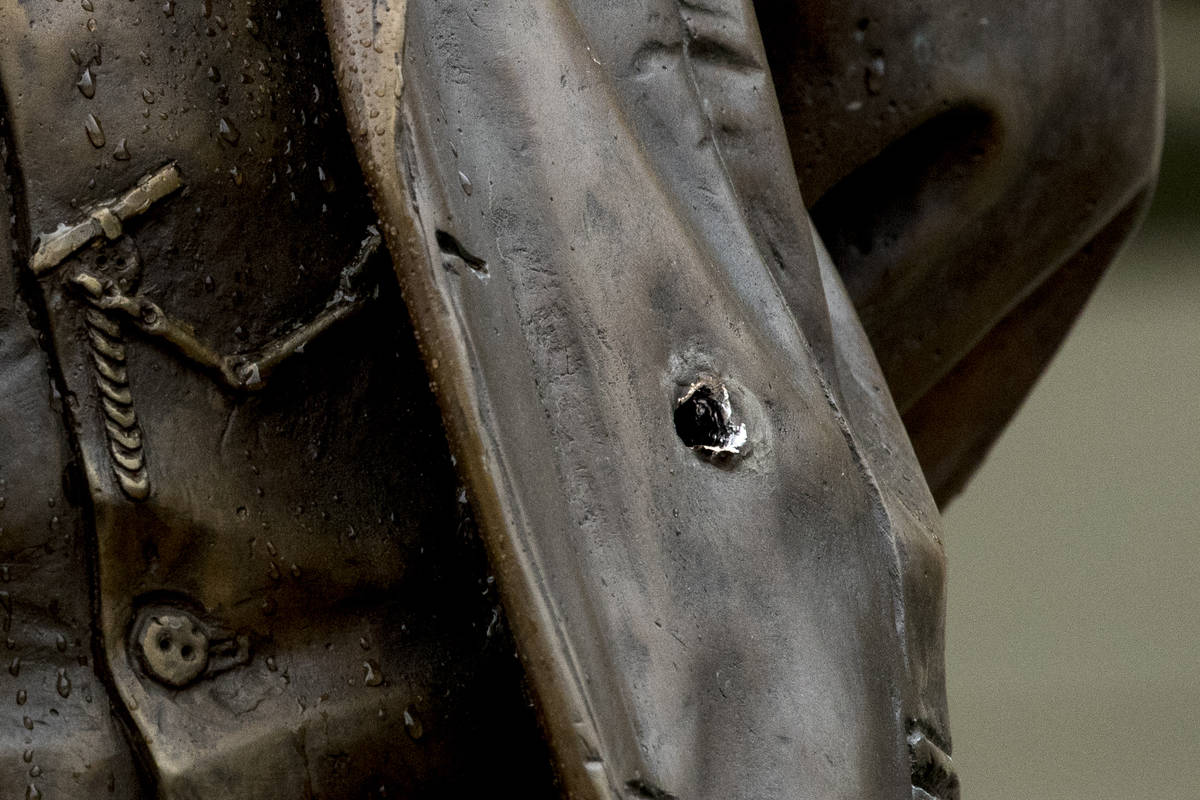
95 133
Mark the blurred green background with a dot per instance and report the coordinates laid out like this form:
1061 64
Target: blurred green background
1074 614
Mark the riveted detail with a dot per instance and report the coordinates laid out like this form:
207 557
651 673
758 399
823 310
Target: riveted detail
105 220
116 399
173 646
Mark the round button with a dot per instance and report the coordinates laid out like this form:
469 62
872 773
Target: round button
174 647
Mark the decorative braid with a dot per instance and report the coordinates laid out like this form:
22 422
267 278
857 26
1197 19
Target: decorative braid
125 450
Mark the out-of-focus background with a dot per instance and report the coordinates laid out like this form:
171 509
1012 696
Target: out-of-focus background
1074 614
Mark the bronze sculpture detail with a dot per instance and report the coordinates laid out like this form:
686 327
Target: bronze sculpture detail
632 357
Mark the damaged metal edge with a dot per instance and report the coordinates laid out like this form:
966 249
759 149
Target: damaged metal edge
555 678
733 435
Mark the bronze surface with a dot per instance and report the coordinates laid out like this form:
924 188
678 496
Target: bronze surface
650 251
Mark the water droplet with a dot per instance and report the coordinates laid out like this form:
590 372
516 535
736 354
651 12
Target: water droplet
91 25
213 74
206 8
271 665
22 696
168 8
144 56
228 131
326 182
271 548
121 153
363 643
63 685
295 571
372 675
87 6
14 667
95 133
75 56
27 756
465 182
27 722
412 723
33 793
35 771
60 642
874 74
87 84
148 96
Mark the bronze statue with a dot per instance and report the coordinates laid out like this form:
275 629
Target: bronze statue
629 509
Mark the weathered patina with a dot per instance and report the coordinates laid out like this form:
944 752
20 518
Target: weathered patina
667 264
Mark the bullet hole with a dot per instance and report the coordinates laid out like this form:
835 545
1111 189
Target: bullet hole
453 254
704 420
643 790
